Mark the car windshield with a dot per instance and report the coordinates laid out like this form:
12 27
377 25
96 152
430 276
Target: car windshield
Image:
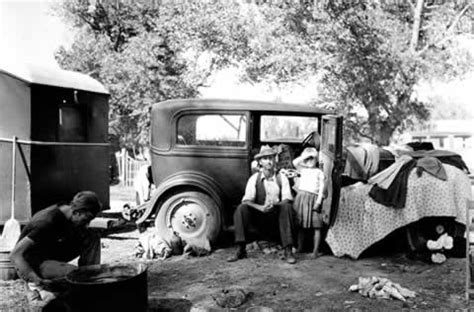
286 128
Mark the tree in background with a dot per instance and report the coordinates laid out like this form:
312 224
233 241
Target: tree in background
368 57
139 52
372 74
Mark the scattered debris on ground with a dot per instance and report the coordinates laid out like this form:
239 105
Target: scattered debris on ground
230 298
375 287
179 284
14 295
153 245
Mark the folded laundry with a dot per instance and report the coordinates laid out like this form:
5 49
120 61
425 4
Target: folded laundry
438 258
431 165
390 185
362 161
361 221
443 242
385 177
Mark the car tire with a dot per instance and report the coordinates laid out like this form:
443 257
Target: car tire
190 215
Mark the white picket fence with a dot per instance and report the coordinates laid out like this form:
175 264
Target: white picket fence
128 167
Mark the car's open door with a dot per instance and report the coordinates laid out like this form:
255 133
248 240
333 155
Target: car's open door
331 163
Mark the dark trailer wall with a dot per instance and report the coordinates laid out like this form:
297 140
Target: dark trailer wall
61 121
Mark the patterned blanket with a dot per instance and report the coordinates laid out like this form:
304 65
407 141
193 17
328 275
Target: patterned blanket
362 222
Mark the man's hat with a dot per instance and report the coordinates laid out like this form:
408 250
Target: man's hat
265 150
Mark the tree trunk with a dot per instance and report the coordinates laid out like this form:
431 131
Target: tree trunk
382 133
382 137
417 14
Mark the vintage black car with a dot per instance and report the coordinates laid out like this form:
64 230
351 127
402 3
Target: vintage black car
202 152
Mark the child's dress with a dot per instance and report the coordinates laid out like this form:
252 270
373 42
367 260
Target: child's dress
308 214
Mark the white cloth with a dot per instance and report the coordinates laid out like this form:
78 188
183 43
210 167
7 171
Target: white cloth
142 185
385 177
39 297
311 180
271 188
154 246
373 157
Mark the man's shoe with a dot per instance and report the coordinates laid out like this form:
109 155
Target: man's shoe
239 254
290 258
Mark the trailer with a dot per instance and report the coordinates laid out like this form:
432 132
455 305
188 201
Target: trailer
57 122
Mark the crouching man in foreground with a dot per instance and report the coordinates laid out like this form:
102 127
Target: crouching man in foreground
55 236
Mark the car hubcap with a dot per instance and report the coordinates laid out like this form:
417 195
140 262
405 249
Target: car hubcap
187 218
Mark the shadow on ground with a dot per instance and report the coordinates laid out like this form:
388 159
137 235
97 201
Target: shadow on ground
169 305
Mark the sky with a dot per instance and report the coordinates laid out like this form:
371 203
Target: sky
31 33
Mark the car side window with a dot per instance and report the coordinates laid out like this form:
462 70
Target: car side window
329 139
286 128
227 130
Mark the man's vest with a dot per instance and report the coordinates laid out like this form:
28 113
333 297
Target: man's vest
261 194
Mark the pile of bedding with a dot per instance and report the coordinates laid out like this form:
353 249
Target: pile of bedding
363 220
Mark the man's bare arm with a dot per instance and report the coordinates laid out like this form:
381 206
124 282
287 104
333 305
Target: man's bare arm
17 257
261 208
285 201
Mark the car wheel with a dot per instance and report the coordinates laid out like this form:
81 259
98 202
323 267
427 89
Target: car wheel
192 216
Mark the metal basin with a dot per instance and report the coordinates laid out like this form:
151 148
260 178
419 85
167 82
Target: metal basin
109 288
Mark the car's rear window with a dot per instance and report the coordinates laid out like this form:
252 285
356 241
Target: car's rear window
286 128
227 130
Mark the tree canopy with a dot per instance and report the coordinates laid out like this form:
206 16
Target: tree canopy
369 57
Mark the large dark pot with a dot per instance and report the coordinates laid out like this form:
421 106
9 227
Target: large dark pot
108 288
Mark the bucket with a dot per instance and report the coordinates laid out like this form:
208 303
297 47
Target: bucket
7 270
109 288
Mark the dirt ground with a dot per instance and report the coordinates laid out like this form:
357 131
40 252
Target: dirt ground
182 284
190 283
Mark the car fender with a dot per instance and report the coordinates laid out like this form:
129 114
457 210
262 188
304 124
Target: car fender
183 179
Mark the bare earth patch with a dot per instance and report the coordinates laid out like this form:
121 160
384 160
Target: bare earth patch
189 284
185 284
180 283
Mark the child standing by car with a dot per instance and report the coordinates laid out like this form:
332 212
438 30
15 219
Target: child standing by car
308 201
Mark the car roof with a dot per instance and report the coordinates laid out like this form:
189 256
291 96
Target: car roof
171 107
163 114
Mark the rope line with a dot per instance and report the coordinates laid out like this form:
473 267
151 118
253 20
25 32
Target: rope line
53 143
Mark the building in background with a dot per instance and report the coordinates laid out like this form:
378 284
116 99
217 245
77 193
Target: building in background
452 135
